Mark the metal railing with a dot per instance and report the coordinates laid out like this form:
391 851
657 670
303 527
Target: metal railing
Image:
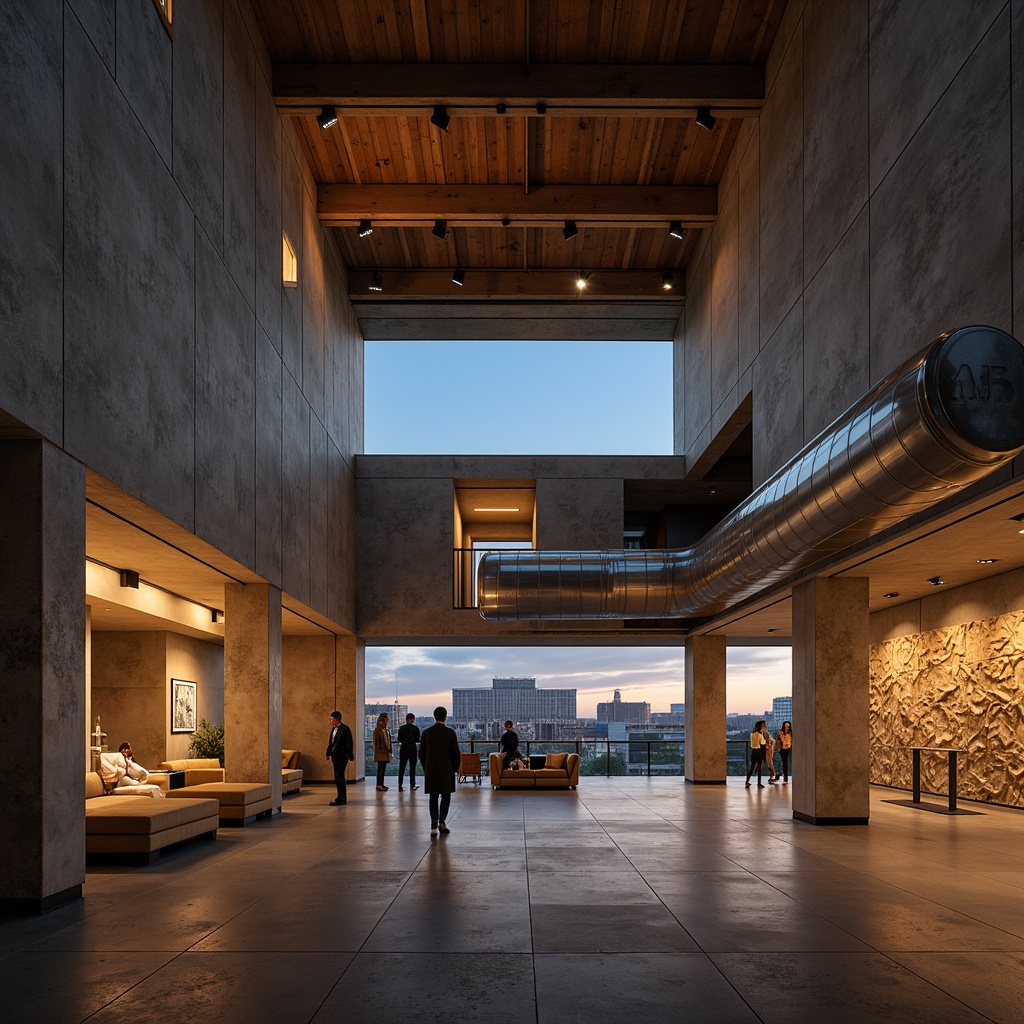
610 758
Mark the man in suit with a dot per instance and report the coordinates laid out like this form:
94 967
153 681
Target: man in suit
440 757
408 739
339 753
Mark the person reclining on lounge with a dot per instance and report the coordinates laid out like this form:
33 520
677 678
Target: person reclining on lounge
121 771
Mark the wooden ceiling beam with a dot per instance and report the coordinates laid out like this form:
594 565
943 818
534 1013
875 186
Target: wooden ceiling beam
564 90
695 206
402 283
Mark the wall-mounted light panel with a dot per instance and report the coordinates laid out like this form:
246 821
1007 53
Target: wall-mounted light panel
289 263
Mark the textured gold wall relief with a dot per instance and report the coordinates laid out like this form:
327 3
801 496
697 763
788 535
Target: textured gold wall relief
960 686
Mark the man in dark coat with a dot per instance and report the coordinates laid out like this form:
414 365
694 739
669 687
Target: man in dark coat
339 753
408 740
440 757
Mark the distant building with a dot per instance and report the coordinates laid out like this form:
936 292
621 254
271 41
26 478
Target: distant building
515 697
395 712
677 709
740 723
668 718
782 711
619 710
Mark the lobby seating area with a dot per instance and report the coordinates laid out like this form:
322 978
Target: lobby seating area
643 899
135 829
560 771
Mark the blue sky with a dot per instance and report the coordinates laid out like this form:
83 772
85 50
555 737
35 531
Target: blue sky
537 398
518 398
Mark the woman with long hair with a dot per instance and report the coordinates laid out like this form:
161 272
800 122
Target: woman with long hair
785 740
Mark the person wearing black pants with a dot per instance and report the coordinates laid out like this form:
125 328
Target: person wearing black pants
440 757
408 741
785 738
757 751
339 753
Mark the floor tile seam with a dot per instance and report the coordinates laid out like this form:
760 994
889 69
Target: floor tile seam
935 986
134 985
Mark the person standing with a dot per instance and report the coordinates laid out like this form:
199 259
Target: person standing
440 757
756 753
408 741
509 744
339 753
382 750
769 755
785 738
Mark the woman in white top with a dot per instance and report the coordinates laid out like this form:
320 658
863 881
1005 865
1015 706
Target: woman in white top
757 745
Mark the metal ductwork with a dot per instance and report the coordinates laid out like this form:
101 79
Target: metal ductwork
944 419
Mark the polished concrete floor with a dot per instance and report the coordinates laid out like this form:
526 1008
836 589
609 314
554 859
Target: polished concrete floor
631 899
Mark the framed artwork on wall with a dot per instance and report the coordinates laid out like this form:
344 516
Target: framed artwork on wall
183 706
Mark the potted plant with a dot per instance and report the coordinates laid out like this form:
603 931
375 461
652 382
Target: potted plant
208 741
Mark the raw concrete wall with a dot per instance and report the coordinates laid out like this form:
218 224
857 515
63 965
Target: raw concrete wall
406 530
865 212
131 689
144 327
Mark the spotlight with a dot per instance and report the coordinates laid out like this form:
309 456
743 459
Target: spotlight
327 117
505 221
542 108
365 228
937 581
459 278
986 561
569 230
440 229
216 615
892 594
772 629
376 284
705 119
501 108
675 229
582 279
666 281
440 118
130 579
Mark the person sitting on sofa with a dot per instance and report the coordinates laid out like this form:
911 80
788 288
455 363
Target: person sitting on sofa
122 771
509 744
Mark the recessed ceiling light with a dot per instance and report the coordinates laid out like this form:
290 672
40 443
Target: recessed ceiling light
892 593
986 561
365 228
937 581
495 510
376 284
675 229
582 279
666 281
773 629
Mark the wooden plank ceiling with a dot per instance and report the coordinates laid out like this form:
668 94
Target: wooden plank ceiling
559 111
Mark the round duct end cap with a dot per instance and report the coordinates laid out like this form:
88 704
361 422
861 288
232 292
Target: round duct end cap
977 377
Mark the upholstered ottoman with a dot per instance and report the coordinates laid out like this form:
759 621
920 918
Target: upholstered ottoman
134 829
240 802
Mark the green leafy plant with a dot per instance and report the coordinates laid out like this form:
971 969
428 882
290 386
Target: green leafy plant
208 741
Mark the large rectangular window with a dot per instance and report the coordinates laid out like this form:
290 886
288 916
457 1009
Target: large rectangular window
518 398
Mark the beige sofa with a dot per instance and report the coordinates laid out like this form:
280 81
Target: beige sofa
562 771
291 773
197 769
134 829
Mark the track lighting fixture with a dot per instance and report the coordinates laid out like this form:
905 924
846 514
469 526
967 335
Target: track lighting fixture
666 281
705 118
892 594
129 579
569 230
440 118
581 280
505 221
327 117
459 278
542 108
501 108
675 229
365 228
937 581
376 284
440 229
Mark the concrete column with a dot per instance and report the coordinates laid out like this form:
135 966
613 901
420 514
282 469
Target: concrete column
830 702
705 709
350 695
42 637
252 685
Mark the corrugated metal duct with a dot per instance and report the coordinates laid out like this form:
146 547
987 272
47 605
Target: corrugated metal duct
943 420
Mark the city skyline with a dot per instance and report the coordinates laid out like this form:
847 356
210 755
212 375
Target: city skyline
423 677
